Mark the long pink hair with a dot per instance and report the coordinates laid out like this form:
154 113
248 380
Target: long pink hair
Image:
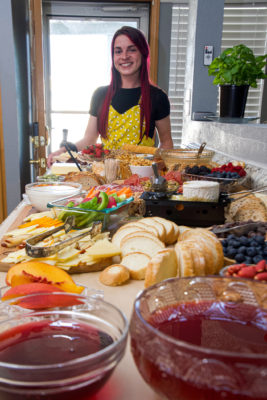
138 38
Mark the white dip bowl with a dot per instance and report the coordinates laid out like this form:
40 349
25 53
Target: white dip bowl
40 194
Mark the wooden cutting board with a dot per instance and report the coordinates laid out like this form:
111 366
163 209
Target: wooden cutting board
12 222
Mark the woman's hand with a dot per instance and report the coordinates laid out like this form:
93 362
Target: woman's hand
164 131
90 137
50 157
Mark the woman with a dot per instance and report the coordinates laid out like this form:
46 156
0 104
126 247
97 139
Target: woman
130 108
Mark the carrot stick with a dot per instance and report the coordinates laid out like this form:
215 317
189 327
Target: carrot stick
121 191
91 191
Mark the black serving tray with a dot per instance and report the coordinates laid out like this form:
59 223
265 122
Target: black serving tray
189 213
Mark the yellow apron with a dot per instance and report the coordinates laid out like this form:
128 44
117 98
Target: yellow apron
125 128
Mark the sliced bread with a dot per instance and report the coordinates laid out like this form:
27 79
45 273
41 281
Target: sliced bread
184 259
136 263
216 248
162 266
145 227
140 242
176 232
211 247
158 225
169 229
123 231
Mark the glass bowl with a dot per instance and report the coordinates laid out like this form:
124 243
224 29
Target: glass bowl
61 352
40 194
202 338
84 217
180 158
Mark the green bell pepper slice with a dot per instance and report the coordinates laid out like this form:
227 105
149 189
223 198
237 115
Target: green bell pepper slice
91 204
104 201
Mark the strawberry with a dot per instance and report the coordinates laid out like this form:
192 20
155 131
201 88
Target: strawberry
262 276
247 272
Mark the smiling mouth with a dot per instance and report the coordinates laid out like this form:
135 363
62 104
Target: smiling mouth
126 65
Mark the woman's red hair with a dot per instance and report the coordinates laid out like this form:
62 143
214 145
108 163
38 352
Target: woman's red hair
138 38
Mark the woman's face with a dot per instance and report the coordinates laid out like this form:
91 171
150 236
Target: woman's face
127 58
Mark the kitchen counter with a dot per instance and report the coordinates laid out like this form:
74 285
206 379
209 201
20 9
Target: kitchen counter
126 383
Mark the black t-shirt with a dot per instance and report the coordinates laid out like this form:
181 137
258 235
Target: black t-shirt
125 99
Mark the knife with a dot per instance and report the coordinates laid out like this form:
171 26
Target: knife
240 229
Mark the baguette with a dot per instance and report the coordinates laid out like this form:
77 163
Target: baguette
140 149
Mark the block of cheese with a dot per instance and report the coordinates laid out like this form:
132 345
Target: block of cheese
63 168
201 191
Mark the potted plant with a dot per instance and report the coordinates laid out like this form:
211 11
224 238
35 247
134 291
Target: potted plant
235 70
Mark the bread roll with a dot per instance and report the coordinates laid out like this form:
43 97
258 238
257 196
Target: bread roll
114 275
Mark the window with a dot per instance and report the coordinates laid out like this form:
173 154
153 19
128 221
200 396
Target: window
243 23
177 69
247 25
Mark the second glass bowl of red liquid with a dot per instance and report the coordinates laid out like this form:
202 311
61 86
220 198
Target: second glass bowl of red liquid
202 338
66 351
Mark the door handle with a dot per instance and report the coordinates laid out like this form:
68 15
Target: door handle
34 162
41 162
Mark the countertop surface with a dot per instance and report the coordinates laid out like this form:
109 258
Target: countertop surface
126 383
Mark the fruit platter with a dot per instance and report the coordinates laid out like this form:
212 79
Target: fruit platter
249 271
94 152
228 175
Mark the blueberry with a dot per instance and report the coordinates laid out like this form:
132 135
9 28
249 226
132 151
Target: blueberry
253 243
235 244
259 239
257 258
243 240
259 249
231 237
248 260
251 251
231 252
223 174
225 243
240 257
242 250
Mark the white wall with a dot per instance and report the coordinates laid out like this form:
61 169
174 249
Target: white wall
9 105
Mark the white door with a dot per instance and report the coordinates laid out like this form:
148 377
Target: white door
77 39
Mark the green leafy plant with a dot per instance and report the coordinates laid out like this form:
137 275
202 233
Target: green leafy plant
238 65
